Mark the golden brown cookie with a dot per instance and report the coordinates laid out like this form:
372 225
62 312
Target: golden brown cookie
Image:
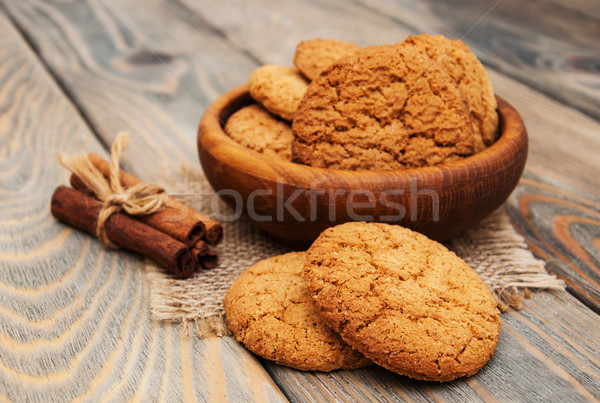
315 55
382 108
254 127
269 310
470 76
278 88
403 300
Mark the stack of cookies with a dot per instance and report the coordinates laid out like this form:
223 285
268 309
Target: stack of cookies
367 293
422 102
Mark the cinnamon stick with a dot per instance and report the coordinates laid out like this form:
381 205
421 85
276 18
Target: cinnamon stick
199 250
187 217
176 219
210 260
205 257
81 211
186 230
214 233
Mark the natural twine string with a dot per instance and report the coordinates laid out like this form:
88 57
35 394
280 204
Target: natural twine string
141 199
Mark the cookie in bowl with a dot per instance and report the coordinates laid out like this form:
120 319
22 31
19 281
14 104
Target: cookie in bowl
383 108
386 134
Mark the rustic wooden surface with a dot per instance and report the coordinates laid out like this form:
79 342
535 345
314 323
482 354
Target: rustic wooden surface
74 317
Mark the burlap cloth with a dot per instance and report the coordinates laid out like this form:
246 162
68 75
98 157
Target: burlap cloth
493 248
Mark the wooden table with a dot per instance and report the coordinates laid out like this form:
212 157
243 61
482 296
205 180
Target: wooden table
74 317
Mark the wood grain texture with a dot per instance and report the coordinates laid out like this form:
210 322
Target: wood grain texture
96 50
562 226
159 67
75 319
590 8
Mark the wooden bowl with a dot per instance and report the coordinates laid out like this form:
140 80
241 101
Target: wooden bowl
294 202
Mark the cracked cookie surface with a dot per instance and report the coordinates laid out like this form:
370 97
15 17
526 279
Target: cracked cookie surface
254 127
278 88
469 75
269 310
382 108
403 300
315 55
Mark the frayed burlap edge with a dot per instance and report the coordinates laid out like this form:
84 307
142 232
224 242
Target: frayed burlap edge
501 258
197 301
177 301
493 248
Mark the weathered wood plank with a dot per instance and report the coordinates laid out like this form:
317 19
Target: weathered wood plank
563 227
75 321
523 347
559 189
562 141
590 8
154 82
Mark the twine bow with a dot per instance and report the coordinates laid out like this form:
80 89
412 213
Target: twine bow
141 199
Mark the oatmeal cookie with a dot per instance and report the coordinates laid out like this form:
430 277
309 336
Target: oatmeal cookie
470 76
278 88
269 310
254 127
315 55
382 108
403 300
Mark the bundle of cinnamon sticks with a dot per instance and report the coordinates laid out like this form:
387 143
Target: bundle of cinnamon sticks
177 237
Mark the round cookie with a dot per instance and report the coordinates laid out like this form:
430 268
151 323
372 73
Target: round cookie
254 127
269 310
278 88
470 76
315 55
403 300
382 108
